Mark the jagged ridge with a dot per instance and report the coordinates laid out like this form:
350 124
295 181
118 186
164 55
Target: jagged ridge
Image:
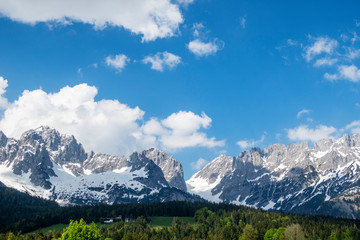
295 178
45 163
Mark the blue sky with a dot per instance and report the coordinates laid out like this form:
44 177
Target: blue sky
195 78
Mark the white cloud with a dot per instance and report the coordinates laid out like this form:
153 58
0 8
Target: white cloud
3 85
199 164
325 62
118 61
325 52
161 60
199 30
354 127
331 77
150 18
106 126
352 53
304 133
243 22
200 48
250 143
321 45
181 130
351 73
302 112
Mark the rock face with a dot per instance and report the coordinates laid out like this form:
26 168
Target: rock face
45 163
172 169
324 179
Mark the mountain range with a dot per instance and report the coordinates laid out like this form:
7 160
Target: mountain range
297 178
54 166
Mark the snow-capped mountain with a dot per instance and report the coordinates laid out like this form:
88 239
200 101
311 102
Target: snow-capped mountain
45 163
324 179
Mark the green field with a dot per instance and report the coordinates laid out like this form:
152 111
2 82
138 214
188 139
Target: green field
158 222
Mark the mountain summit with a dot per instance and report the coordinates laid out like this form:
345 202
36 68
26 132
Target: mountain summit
294 178
51 165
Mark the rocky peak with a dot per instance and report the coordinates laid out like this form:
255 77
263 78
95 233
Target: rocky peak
50 136
217 168
155 177
172 169
31 137
30 156
350 141
297 147
254 156
99 163
49 164
294 178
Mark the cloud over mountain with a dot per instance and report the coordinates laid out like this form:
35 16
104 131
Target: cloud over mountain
106 126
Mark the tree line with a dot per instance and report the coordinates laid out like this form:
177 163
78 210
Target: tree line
20 213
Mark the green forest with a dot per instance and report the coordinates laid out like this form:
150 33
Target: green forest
21 214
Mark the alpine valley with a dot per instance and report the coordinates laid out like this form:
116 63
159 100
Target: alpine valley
297 178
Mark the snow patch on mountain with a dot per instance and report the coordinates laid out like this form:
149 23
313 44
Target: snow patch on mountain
51 165
293 178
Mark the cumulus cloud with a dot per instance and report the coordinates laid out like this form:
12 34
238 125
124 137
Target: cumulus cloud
118 61
319 46
201 48
243 144
106 126
161 60
181 130
351 73
346 72
302 112
304 133
199 164
150 18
